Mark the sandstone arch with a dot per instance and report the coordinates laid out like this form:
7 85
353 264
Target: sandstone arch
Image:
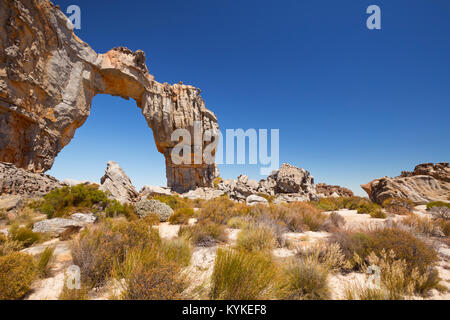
48 77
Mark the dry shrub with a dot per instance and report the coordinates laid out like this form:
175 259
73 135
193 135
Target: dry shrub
359 291
305 279
221 209
178 250
423 225
42 266
239 222
24 235
150 276
398 206
300 216
330 256
357 246
17 271
334 222
240 275
256 238
99 247
204 233
181 216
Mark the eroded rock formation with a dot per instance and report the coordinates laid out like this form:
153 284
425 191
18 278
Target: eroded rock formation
117 184
17 181
48 78
428 182
325 190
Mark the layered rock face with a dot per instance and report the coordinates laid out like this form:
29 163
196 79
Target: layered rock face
48 78
17 181
117 184
325 190
428 182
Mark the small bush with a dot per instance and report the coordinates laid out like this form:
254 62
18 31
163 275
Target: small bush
217 181
177 250
437 204
334 222
373 209
221 209
398 206
240 275
305 280
377 214
115 209
17 271
23 235
330 256
67 200
181 216
175 202
204 233
359 291
423 225
42 266
239 222
149 276
99 247
256 238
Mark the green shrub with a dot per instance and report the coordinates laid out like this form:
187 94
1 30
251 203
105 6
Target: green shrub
256 238
204 233
181 216
42 266
240 275
23 235
371 208
217 181
239 222
16 275
175 202
115 208
437 204
67 200
305 280
178 250
378 214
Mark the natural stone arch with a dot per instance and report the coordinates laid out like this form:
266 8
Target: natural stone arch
48 78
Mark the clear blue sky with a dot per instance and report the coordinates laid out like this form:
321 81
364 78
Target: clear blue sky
351 104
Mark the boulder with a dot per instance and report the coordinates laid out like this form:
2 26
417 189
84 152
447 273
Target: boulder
144 208
254 200
203 193
57 226
290 179
150 190
413 186
72 182
84 217
10 203
117 184
17 181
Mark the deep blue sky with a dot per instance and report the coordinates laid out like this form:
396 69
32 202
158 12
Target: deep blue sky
351 104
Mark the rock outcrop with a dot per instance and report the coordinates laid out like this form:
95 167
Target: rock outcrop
48 77
288 184
59 226
428 182
325 190
154 190
117 184
17 181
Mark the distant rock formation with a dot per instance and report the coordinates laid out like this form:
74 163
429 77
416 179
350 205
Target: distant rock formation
428 182
48 77
287 184
117 184
17 181
325 190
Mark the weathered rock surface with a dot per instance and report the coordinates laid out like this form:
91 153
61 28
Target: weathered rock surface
325 190
60 225
17 181
288 184
144 208
203 193
154 190
71 182
254 200
11 202
117 184
48 77
414 186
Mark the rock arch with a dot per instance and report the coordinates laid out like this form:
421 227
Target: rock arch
48 77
